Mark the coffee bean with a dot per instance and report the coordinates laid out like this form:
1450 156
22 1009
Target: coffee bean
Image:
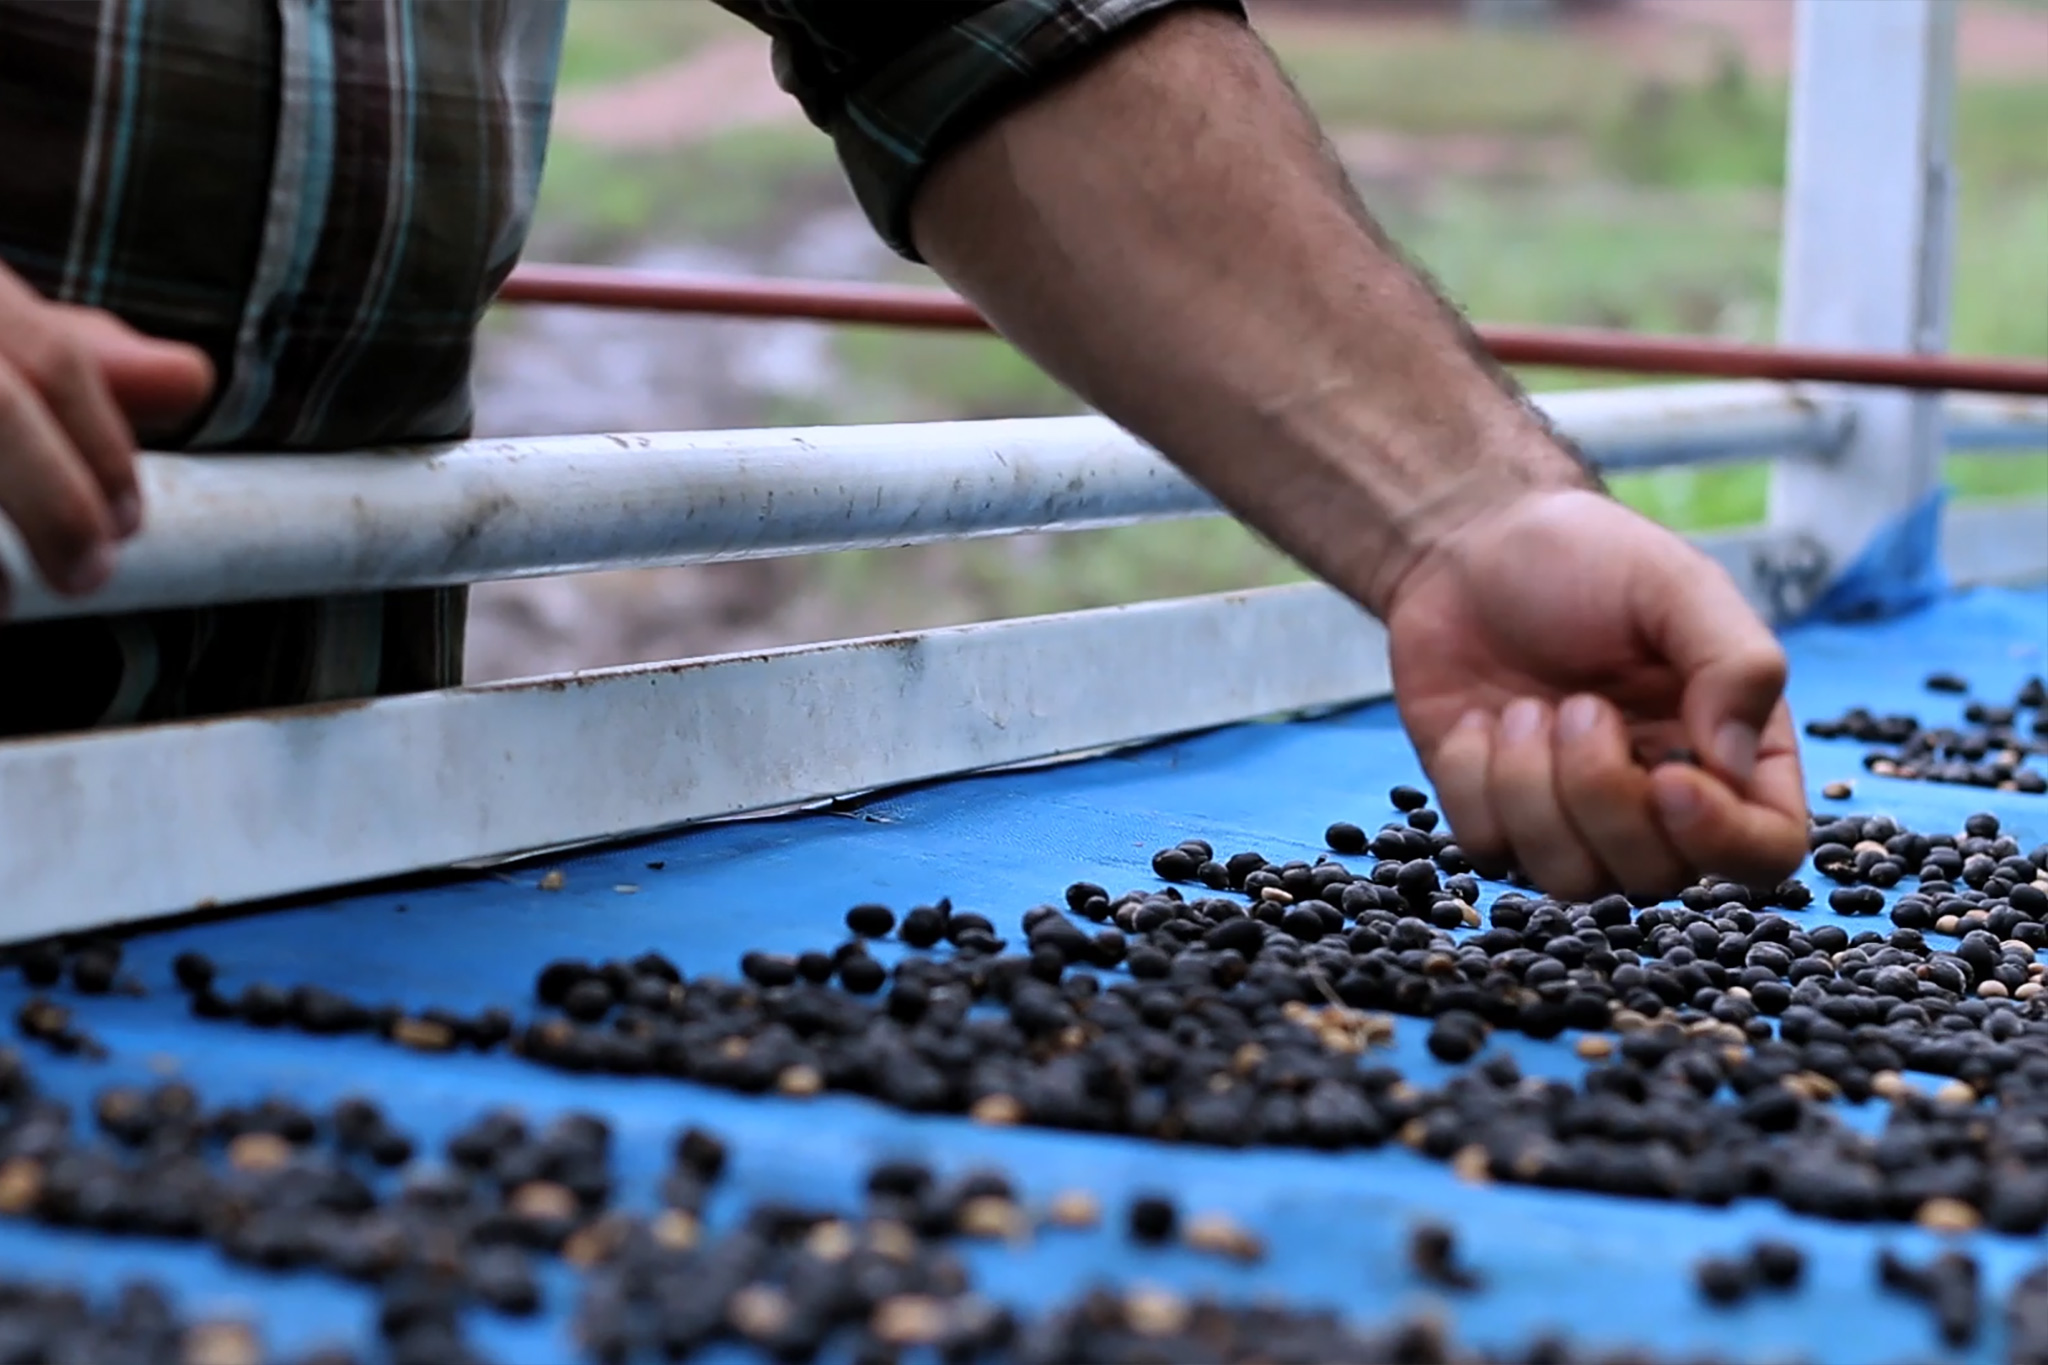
1152 1219
94 967
1723 1280
1343 837
871 921
862 975
1776 1264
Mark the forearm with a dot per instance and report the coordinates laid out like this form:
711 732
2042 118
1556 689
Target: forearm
1166 233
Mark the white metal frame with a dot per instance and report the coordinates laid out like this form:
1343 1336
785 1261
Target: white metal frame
127 824
1866 251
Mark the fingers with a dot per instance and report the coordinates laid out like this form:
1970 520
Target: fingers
1733 667
1523 786
1561 796
157 384
1757 841
49 493
64 371
1606 795
71 381
1458 770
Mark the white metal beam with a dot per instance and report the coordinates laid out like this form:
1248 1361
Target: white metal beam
1997 542
127 824
229 528
1867 242
122 825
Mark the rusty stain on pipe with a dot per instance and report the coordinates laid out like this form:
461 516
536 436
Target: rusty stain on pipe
1573 348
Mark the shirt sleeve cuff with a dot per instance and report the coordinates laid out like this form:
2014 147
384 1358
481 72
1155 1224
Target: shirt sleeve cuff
892 127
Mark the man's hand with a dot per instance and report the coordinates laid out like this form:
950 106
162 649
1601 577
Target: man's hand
1550 655
75 384
1165 231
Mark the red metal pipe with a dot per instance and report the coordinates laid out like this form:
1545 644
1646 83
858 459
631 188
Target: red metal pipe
1571 348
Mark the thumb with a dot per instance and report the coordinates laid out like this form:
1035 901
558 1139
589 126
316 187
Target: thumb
157 384
1732 667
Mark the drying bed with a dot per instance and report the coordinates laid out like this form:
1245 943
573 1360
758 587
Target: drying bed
1333 1227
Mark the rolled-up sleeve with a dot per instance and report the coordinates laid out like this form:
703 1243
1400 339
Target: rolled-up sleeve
898 82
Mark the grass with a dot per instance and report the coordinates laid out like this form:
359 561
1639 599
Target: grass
1454 81
595 203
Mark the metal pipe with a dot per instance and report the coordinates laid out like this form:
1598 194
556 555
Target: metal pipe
227 528
1572 348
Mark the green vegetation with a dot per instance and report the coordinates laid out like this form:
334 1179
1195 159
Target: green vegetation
596 203
610 40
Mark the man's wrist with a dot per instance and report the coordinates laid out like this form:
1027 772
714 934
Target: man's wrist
1392 478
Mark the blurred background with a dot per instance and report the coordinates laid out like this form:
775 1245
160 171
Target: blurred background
1608 163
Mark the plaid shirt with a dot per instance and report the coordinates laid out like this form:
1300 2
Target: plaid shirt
324 196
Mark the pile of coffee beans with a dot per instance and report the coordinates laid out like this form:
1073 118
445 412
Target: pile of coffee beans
1994 746
1241 1022
277 1186
45 1322
1244 1002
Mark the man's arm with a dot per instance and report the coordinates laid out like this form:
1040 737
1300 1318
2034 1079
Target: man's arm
1169 235
1158 222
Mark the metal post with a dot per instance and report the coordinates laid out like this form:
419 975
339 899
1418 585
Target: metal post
1866 262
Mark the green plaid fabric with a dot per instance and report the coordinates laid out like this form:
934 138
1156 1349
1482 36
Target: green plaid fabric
324 195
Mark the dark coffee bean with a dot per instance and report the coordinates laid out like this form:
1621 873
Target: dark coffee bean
702 1153
262 1005
1174 865
194 971
590 999
1152 1219
1433 1254
862 975
41 964
94 966
768 969
1081 893
1407 798
1777 1264
871 921
551 987
1344 837
1946 682
503 1278
1456 1037
922 927
1722 1280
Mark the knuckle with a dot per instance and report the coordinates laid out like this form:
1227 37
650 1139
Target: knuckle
70 523
57 362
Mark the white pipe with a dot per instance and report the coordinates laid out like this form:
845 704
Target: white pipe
236 528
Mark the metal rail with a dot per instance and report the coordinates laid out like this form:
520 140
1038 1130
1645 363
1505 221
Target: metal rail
123 825
229 528
111 827
1573 348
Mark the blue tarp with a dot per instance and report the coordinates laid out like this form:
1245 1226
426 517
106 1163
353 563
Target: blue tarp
1613 1271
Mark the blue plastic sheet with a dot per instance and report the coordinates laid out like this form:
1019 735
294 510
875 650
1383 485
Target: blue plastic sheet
1612 1271
1900 570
